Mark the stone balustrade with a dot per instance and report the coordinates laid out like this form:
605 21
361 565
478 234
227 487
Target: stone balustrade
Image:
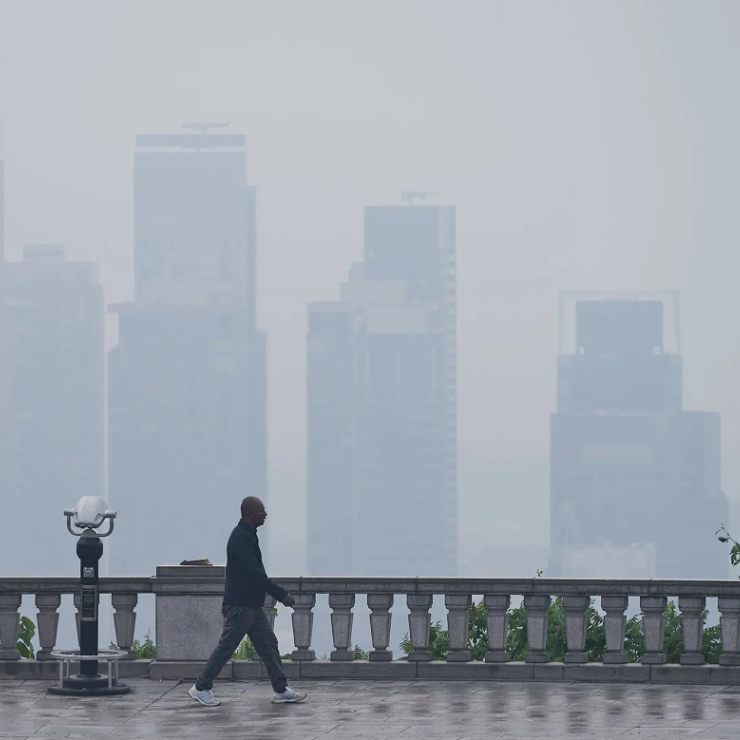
188 624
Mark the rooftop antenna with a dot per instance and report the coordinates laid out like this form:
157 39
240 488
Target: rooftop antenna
411 195
205 127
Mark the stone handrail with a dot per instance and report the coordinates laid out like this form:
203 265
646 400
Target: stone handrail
188 601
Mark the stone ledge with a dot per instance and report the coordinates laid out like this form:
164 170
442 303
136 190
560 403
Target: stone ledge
391 670
254 670
185 670
48 670
401 670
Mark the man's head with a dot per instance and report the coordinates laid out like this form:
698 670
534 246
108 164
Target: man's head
253 511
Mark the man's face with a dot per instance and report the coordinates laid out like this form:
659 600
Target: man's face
259 515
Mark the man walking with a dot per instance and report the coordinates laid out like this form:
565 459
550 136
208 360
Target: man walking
244 596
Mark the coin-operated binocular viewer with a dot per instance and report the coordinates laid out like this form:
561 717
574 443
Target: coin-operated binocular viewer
83 521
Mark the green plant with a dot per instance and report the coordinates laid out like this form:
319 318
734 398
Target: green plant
245 651
24 642
359 653
477 631
26 632
516 637
634 640
711 643
439 642
672 636
724 536
142 650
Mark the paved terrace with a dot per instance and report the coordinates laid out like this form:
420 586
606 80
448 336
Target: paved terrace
457 710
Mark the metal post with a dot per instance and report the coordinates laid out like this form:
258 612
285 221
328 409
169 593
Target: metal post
89 514
89 551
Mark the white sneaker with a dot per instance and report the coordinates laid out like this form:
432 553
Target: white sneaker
289 696
205 698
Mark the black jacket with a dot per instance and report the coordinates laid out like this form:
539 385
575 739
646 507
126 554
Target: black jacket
246 580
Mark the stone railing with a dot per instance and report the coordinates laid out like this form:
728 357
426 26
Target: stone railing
188 625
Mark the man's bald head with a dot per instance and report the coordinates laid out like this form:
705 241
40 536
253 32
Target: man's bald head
253 511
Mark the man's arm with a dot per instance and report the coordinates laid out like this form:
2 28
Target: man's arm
256 572
276 592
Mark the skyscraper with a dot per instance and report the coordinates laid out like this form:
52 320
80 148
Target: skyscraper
382 484
635 479
54 315
6 393
187 381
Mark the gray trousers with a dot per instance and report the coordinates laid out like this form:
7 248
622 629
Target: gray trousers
238 622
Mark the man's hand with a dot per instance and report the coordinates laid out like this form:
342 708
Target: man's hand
289 600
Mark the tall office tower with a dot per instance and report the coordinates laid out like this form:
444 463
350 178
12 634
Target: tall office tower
187 381
382 483
635 479
5 359
55 327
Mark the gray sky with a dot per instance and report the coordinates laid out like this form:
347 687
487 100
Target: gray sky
587 144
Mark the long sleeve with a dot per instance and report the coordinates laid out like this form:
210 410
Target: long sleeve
252 569
275 591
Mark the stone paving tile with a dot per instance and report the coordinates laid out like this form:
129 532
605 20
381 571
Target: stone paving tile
375 710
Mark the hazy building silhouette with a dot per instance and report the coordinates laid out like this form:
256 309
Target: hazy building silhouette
187 381
54 321
5 357
382 483
635 479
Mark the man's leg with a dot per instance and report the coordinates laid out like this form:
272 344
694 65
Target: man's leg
266 645
236 623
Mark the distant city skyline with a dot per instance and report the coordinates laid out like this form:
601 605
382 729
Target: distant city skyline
382 414
54 441
187 381
636 485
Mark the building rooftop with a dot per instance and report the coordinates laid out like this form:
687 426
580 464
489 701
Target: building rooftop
377 709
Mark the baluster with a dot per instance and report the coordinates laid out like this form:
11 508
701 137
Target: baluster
48 623
303 627
497 618
536 608
380 625
692 627
9 618
124 621
420 622
576 624
458 620
269 608
341 625
615 623
653 624
729 607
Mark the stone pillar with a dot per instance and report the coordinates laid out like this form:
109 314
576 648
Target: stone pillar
9 619
341 625
420 622
188 602
653 625
124 621
692 626
497 618
576 623
536 608
48 623
615 623
380 625
729 607
269 608
458 620
303 627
